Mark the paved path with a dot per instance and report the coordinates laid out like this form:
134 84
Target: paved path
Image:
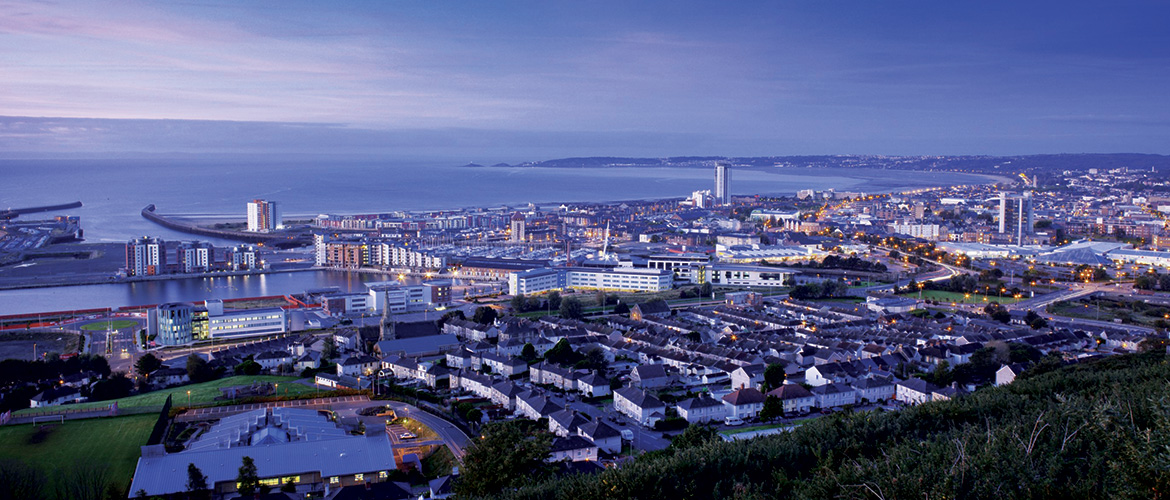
226 411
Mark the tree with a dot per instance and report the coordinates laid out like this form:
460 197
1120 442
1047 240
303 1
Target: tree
196 482
147 364
485 315
329 350
554 300
248 367
773 376
198 370
600 297
695 436
115 386
1035 320
705 290
942 376
593 359
519 303
247 478
571 308
562 352
528 353
773 409
450 315
507 455
621 308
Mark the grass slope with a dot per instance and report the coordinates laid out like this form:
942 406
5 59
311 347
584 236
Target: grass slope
113 441
1097 429
205 392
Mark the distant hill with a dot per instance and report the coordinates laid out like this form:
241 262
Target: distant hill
977 164
1098 429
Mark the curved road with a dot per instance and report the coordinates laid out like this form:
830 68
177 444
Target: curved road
452 436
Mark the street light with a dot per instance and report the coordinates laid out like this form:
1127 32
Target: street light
188 399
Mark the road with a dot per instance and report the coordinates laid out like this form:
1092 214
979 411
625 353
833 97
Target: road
452 436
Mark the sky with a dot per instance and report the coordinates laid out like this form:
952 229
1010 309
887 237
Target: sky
519 81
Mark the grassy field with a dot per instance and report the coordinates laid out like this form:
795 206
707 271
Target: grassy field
975 298
205 392
107 441
438 463
117 324
1109 310
742 430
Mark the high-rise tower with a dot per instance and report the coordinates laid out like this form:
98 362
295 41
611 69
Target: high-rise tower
264 216
518 228
722 184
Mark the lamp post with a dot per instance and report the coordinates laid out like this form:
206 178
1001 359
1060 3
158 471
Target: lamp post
188 399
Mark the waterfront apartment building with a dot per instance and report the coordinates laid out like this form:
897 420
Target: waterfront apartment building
240 258
388 254
145 257
722 184
264 216
344 254
194 257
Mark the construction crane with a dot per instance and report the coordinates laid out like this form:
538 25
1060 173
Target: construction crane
1028 182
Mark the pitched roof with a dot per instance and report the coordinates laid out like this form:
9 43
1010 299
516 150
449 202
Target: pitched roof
640 398
745 396
599 430
790 391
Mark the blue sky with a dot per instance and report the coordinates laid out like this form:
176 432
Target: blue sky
510 80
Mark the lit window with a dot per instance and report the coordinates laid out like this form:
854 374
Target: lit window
334 480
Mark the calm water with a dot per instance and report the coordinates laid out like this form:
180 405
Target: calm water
114 191
182 290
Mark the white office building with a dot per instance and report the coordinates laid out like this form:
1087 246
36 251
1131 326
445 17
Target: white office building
627 279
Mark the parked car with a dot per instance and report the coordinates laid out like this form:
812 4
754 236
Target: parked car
733 421
627 434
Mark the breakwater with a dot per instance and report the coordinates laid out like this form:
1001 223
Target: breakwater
279 239
16 212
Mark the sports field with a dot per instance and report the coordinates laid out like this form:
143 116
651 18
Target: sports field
58 448
959 298
205 392
102 326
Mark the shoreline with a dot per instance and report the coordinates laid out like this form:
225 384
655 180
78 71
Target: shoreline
161 277
989 179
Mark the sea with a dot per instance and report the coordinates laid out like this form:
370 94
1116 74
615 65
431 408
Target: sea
114 191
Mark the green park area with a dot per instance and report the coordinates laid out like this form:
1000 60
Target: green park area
117 324
1130 312
960 298
107 448
202 393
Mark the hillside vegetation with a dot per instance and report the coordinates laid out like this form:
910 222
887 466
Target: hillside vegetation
1099 429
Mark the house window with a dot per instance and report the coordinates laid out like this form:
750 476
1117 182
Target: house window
359 477
334 480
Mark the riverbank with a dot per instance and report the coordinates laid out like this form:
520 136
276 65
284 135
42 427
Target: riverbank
114 280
